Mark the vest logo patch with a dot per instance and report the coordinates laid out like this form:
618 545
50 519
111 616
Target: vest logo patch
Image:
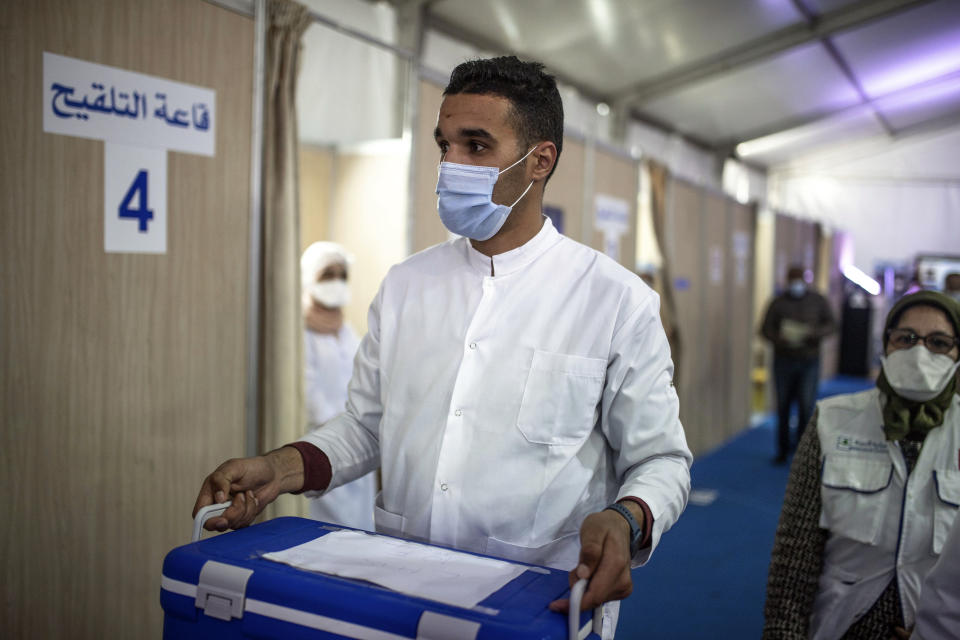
849 443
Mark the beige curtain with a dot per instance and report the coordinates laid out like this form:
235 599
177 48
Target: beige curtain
659 177
282 418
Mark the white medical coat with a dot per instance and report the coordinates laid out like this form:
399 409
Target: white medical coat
328 360
505 408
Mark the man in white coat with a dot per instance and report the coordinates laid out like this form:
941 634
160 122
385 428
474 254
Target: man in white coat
514 385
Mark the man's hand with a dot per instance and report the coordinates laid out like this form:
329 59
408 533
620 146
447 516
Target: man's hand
604 559
252 484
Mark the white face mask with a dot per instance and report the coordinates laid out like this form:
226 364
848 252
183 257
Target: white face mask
917 373
797 288
465 201
331 293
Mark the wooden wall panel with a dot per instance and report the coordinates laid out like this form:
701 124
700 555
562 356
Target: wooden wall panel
427 228
715 383
711 246
370 223
829 282
786 252
741 270
809 238
618 177
316 187
796 243
765 264
123 376
686 251
565 188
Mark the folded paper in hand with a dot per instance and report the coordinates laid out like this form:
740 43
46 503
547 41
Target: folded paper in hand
794 332
443 575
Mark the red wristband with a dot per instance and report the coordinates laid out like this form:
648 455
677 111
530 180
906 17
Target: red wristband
317 471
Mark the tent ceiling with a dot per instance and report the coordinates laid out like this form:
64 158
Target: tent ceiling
802 75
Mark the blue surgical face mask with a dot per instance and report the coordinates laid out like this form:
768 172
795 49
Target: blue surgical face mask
797 288
465 199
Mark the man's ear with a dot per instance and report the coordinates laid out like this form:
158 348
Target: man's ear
545 156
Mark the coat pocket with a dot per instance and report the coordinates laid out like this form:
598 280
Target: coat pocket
560 398
391 524
853 493
946 505
562 553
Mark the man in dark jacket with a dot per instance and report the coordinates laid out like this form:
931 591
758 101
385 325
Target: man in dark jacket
796 322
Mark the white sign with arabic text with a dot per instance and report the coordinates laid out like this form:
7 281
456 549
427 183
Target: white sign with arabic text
92 100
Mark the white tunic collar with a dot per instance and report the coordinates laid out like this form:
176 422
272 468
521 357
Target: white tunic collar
515 259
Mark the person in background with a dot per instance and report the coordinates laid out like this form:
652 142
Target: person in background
514 386
329 348
873 489
795 323
951 286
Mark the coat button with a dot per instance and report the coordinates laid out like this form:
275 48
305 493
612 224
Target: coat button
473 345
458 413
443 486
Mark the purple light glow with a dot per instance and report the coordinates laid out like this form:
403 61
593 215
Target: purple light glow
932 94
849 270
921 67
844 244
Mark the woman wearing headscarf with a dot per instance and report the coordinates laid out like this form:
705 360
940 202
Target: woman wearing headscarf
329 348
873 489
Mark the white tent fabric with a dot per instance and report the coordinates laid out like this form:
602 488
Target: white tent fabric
889 221
896 198
347 87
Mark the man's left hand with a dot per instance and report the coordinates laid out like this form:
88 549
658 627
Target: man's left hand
604 559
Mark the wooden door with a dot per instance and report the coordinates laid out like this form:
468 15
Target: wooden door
741 286
617 176
564 190
123 375
685 242
715 380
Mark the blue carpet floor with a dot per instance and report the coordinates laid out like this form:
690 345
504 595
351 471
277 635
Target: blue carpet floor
707 578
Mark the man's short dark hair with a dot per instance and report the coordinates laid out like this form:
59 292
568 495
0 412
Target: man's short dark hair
537 110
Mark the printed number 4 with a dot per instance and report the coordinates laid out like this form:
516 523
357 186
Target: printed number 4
142 214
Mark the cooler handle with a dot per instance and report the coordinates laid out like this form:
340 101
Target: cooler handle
573 615
204 514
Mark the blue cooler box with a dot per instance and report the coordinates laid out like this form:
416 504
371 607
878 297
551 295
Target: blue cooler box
222 587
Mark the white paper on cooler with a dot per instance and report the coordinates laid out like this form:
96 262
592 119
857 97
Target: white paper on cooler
444 575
